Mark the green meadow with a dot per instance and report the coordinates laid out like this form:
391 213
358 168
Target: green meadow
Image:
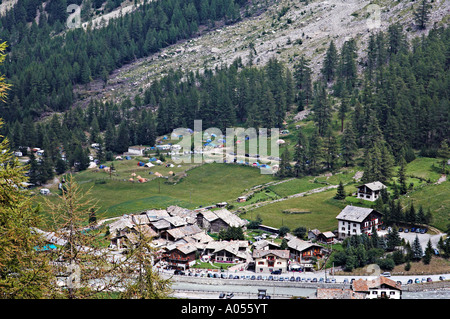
197 185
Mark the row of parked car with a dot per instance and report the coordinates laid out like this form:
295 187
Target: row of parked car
256 277
413 230
418 281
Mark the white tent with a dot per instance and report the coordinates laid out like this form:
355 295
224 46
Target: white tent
149 165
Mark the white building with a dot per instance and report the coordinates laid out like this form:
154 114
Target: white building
370 191
353 220
378 288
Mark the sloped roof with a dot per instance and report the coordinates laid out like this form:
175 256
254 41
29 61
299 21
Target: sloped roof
187 248
258 253
121 223
375 186
328 234
176 221
156 214
181 232
300 245
161 224
209 215
354 213
363 285
228 217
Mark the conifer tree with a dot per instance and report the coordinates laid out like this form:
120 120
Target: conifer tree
330 63
422 14
416 249
340 194
348 144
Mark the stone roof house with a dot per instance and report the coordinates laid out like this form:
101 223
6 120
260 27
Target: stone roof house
354 220
215 221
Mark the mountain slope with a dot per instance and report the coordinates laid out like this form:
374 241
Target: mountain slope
286 30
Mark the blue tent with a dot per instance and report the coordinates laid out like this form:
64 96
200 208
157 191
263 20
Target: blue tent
208 140
45 248
153 159
127 158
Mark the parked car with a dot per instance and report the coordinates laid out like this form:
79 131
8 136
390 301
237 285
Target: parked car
178 272
292 278
413 229
314 279
276 272
400 229
417 281
222 295
298 279
429 279
230 295
259 277
345 281
406 230
236 277
441 278
270 278
253 277
410 281
386 274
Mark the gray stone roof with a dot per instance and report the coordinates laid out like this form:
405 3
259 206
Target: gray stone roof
374 186
354 213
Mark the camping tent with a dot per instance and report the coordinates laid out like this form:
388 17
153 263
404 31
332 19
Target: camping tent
281 142
149 165
158 174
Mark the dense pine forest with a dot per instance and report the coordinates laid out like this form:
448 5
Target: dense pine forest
392 102
45 60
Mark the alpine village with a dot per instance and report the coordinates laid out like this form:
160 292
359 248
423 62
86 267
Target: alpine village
224 149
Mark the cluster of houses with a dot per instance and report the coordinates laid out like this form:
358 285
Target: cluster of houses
181 236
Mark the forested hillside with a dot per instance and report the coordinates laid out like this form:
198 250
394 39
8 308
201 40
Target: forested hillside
391 102
45 63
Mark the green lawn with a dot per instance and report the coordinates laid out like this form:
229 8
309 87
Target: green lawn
433 197
322 207
204 185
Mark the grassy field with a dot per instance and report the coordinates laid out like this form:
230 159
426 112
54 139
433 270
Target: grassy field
320 211
204 185
212 183
433 197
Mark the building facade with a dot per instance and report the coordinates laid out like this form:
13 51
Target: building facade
353 220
